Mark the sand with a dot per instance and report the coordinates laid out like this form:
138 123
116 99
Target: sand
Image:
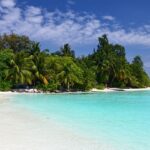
22 130
118 89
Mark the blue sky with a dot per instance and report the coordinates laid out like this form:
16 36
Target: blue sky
80 22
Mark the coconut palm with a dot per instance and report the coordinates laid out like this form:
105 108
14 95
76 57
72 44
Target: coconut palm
40 70
70 74
67 51
39 58
19 69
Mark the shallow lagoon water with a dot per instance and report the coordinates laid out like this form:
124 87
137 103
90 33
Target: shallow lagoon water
120 117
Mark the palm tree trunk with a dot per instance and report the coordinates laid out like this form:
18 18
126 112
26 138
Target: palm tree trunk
68 86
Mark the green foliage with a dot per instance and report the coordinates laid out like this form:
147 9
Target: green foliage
15 42
51 87
100 86
39 69
67 51
69 73
5 57
22 62
19 69
5 85
139 73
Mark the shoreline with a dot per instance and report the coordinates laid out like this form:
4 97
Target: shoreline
94 90
120 89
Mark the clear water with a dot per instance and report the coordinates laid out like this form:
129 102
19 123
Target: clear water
120 117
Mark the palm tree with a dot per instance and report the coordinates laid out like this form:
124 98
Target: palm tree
70 74
19 69
40 70
67 51
39 58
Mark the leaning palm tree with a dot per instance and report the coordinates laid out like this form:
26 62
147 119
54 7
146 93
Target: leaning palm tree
19 69
39 58
40 71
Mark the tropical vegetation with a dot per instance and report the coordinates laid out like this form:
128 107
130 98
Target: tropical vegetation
24 65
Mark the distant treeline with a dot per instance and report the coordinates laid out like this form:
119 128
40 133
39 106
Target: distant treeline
24 64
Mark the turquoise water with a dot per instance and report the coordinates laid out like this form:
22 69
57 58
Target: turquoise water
120 117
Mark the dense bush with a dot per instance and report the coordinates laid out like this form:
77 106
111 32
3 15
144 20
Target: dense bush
5 86
50 87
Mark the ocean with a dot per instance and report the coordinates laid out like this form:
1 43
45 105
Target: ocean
123 118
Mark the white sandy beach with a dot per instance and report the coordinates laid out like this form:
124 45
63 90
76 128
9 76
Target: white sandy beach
9 93
21 130
118 89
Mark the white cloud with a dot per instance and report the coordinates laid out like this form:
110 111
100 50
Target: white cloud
110 18
59 27
33 15
7 3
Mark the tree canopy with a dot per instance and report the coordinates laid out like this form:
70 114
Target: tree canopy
22 62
